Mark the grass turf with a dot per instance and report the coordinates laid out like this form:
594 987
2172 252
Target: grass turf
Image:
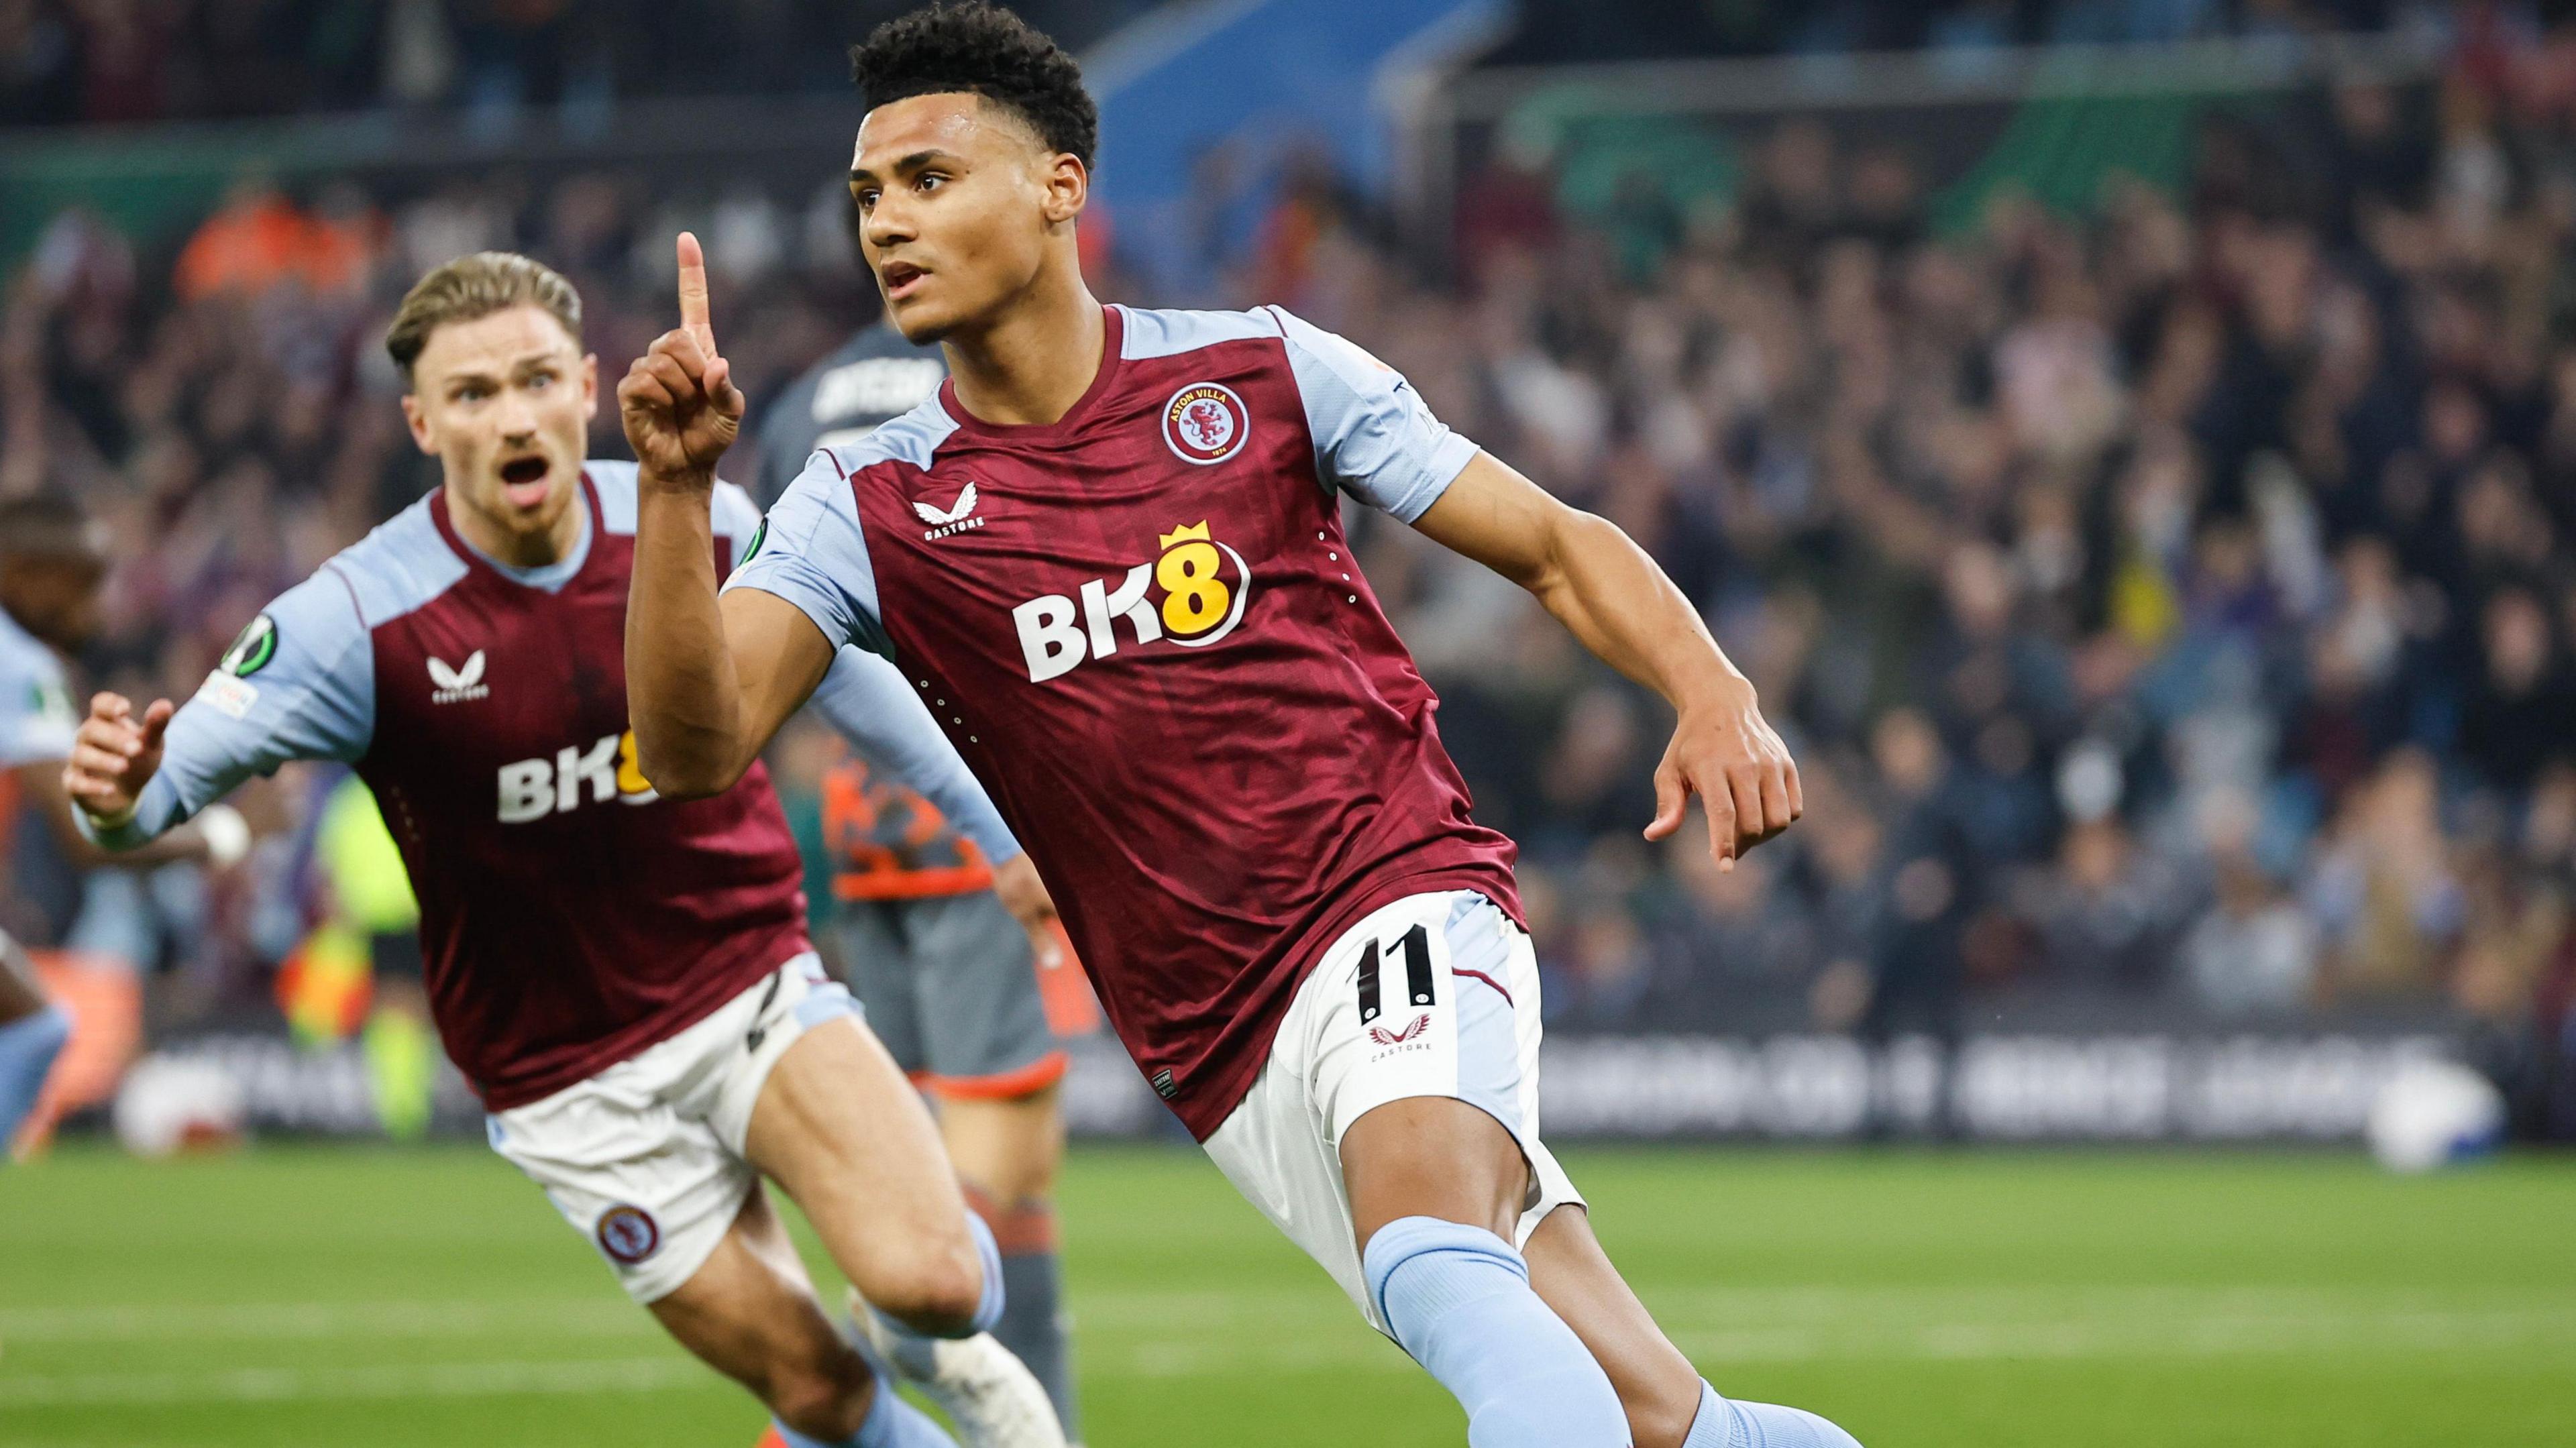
310 1296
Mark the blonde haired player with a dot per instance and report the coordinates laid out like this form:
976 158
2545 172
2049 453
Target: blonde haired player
623 977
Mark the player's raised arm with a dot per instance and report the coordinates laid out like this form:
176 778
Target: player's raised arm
1601 585
708 681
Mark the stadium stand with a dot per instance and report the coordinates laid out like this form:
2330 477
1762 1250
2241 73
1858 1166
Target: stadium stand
2174 599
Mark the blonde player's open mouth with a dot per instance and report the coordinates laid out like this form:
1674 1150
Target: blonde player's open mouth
523 481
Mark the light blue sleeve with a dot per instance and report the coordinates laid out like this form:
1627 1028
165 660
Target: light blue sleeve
1375 438
299 683
869 701
736 519
36 714
812 552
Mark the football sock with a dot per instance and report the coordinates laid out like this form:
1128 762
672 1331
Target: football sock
1033 1325
1726 1423
988 1312
892 1423
28 1047
1458 1298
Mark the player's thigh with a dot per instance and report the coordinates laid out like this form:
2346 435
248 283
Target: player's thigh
838 1126
984 1028
653 1190
1403 1082
1423 1045
1573 1275
749 1311
1010 1147
878 959
1432 1156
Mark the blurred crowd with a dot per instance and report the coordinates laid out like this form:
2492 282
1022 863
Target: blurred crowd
2174 608
109 61
66 62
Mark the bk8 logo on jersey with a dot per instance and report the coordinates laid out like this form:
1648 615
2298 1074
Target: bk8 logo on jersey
1192 594
532 789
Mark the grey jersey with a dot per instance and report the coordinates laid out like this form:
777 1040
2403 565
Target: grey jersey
36 715
874 377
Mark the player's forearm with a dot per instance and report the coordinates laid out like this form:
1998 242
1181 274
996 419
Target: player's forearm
1623 607
682 693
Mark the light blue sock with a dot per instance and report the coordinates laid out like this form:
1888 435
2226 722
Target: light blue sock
1459 1300
892 1423
912 1345
1726 1423
988 1311
28 1047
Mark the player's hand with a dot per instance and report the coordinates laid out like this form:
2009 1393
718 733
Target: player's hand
114 755
1016 883
678 400
1727 754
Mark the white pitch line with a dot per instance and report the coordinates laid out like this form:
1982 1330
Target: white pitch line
438 1380
606 1316
2181 1336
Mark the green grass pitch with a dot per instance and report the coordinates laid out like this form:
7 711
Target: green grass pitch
309 1296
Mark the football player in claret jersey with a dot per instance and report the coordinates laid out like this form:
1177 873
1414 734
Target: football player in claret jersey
623 977
1138 619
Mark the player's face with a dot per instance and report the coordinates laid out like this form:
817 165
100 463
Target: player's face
959 204
56 597
504 403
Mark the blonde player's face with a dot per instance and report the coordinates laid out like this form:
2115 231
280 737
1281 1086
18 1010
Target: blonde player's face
958 203
504 403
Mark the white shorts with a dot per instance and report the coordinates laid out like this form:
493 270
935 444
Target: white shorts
1434 995
646 1158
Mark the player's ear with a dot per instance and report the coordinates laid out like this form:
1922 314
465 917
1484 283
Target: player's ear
1068 186
419 420
589 385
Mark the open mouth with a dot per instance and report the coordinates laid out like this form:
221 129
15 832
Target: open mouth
523 481
900 278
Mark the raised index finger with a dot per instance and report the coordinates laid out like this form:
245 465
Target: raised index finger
693 294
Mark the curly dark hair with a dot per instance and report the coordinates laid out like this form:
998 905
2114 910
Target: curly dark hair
983 50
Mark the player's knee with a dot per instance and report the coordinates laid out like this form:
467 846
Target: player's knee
823 1395
940 1292
1659 1414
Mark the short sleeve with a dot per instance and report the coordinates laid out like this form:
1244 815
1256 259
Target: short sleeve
813 553
1375 438
36 716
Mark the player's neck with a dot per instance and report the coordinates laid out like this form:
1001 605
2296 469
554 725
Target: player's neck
1036 361
518 550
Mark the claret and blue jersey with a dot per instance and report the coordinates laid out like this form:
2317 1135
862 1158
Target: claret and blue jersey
569 915
1142 627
